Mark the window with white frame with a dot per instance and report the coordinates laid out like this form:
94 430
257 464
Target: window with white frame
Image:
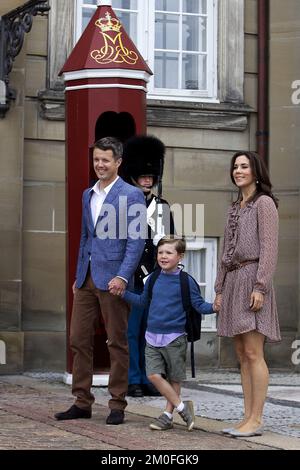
200 261
177 38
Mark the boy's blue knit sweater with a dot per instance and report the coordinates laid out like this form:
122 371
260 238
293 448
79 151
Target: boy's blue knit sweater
166 313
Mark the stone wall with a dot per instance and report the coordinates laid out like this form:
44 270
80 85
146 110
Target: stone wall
11 204
44 230
285 161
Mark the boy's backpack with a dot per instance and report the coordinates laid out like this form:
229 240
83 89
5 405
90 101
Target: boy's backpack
193 318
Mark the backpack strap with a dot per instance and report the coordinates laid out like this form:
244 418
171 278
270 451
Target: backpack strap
187 305
185 290
153 276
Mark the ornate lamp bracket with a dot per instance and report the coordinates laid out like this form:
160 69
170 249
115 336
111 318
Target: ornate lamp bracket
13 26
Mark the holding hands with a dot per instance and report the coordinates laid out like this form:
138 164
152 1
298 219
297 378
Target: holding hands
117 286
217 303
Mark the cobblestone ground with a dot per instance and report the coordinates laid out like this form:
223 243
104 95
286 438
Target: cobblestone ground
26 422
280 419
280 416
229 376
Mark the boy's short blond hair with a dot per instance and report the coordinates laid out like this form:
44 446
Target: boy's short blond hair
180 245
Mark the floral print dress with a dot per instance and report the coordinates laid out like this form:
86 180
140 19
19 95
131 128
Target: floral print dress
251 233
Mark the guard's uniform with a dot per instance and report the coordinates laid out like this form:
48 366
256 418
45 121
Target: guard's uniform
138 317
144 156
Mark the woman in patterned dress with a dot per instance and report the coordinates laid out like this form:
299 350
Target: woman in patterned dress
244 291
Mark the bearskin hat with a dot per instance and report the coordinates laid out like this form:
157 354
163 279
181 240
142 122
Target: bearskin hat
142 155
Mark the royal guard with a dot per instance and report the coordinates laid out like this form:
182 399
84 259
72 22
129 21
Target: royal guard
142 166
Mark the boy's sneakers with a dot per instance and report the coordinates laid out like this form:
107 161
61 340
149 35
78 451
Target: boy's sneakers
162 423
187 414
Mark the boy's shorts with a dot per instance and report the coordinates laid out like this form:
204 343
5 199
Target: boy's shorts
169 361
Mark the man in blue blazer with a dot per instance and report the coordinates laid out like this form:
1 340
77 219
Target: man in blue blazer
111 244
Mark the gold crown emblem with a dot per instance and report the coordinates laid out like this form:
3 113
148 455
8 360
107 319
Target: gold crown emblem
108 23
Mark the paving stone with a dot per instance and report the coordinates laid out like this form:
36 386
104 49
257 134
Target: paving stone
26 422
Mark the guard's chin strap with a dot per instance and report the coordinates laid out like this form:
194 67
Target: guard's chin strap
147 191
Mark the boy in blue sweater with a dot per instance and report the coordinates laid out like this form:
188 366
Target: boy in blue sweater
166 341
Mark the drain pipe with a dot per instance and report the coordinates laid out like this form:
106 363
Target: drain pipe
262 134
